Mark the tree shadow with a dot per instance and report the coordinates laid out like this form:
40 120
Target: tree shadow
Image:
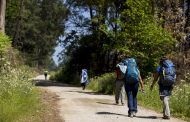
86 92
47 83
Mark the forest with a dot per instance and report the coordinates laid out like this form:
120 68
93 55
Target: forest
97 33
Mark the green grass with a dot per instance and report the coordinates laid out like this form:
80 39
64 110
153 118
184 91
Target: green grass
103 84
18 98
179 100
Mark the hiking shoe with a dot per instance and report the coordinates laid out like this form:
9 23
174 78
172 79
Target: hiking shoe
130 115
134 114
166 117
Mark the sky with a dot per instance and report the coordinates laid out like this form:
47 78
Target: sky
58 49
69 27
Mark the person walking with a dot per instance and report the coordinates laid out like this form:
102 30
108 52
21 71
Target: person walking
132 80
84 78
45 74
119 84
167 78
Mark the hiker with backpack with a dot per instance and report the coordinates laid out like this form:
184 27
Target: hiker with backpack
167 78
119 83
132 80
84 78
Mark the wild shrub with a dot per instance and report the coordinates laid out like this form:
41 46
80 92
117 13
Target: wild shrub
103 84
179 101
18 98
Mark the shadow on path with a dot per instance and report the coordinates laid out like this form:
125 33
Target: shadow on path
86 92
46 83
110 113
143 117
106 103
147 117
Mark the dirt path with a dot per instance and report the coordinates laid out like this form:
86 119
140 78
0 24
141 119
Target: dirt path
76 105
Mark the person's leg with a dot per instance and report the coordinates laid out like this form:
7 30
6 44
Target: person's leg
134 92
122 94
83 86
166 106
117 93
129 98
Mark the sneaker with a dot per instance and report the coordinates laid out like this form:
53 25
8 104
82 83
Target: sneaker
166 117
130 115
134 114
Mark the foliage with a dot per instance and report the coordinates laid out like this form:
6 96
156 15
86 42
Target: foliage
4 43
179 101
17 94
130 28
33 24
103 84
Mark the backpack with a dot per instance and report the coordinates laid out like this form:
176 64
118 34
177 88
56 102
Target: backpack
132 72
84 78
168 73
121 69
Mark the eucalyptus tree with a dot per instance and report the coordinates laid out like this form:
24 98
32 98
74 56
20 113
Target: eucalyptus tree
2 15
35 27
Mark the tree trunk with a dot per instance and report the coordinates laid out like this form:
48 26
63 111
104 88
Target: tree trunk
2 15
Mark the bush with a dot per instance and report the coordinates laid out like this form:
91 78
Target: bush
18 98
103 84
17 94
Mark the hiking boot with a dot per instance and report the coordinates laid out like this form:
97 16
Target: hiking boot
166 117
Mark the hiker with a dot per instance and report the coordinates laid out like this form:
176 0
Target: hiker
132 80
45 74
84 78
167 78
119 84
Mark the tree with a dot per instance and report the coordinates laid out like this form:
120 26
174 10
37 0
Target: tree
35 26
2 15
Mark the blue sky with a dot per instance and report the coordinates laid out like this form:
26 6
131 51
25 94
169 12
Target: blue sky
69 27
58 49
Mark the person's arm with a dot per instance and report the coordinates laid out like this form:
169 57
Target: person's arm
141 83
156 76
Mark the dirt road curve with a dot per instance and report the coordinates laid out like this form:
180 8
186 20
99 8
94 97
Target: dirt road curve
77 105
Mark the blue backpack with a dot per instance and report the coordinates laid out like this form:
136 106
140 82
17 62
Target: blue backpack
132 72
168 73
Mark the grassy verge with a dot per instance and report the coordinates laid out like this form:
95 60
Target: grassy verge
103 84
18 97
179 101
